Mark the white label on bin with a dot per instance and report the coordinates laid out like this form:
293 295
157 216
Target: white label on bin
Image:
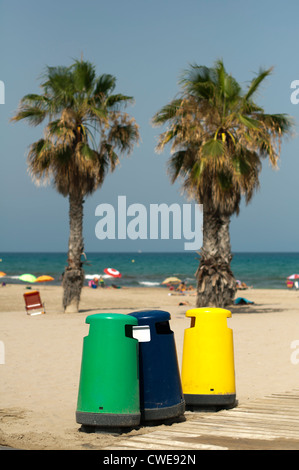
142 333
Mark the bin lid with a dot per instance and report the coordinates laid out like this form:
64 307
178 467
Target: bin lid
119 317
150 317
198 312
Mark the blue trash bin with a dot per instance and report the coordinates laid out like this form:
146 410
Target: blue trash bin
161 395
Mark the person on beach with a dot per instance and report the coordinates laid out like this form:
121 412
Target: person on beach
181 287
241 285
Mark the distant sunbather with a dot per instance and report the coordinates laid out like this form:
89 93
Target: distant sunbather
242 285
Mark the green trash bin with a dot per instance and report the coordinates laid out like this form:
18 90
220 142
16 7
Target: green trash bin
109 381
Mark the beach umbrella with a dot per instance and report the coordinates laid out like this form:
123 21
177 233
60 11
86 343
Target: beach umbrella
294 276
2 274
171 280
44 278
112 272
27 278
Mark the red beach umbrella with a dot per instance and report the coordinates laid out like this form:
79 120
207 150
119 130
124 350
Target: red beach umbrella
294 276
112 272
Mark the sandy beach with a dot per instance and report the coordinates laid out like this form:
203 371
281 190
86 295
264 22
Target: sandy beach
40 374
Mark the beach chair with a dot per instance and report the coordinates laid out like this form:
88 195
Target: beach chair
33 304
290 284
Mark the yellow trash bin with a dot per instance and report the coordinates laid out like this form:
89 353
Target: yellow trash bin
208 372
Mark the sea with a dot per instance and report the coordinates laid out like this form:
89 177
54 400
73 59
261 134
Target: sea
259 270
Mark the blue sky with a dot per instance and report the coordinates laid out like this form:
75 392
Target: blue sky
146 45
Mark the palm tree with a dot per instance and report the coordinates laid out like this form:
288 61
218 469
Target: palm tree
86 133
219 138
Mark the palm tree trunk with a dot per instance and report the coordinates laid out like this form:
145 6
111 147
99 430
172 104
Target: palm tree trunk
74 275
216 285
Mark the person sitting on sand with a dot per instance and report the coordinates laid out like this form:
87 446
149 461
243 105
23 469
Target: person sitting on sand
93 283
182 287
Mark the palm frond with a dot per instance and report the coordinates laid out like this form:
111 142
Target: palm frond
249 122
39 161
100 113
33 114
84 76
104 85
176 165
213 148
255 83
123 134
59 84
117 100
278 123
108 155
167 113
